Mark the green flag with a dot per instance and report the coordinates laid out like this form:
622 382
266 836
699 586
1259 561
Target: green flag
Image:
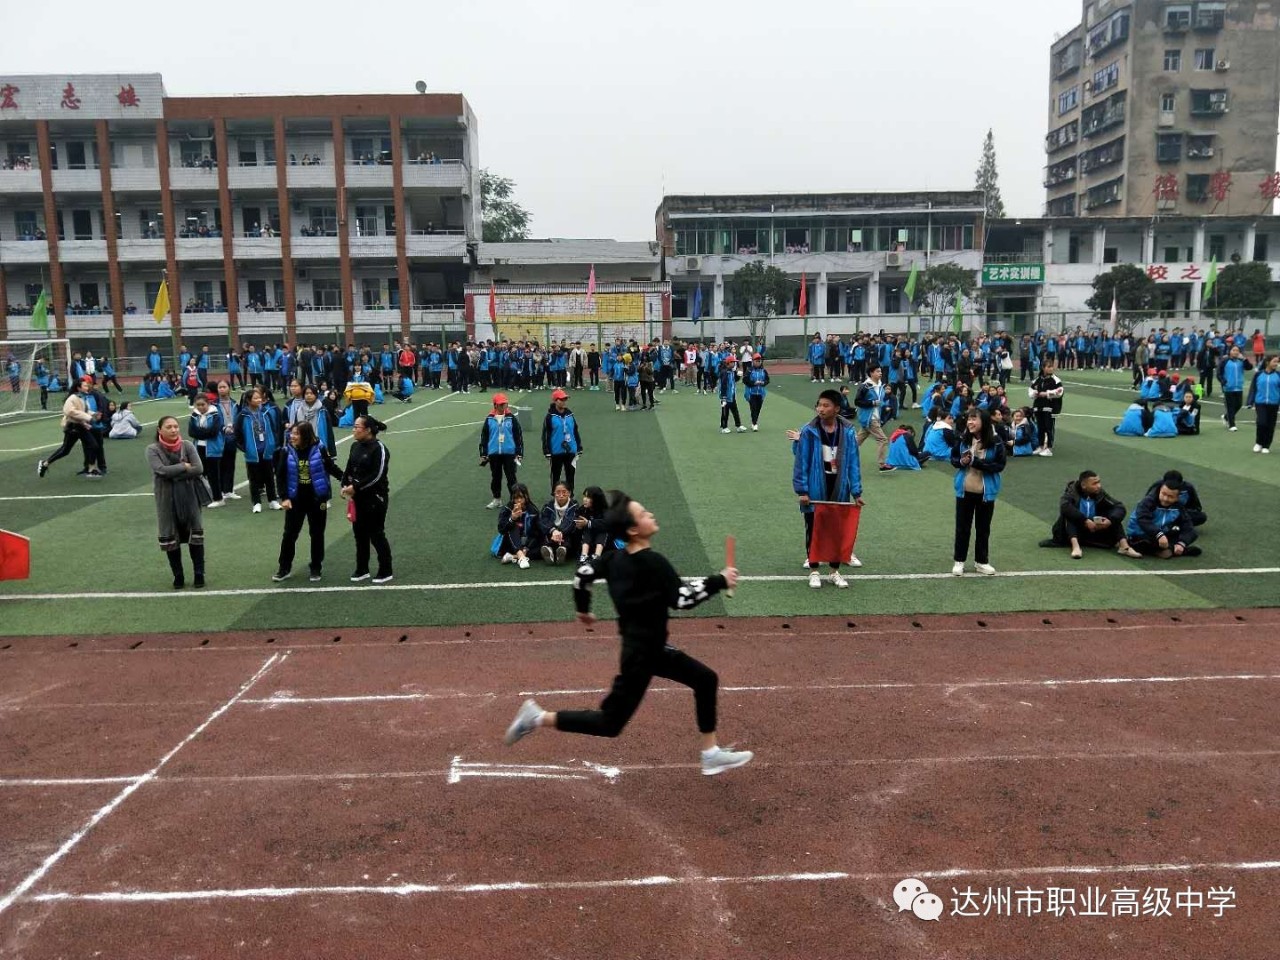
1210 282
40 312
957 318
910 288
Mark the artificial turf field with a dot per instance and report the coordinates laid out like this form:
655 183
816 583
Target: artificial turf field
96 567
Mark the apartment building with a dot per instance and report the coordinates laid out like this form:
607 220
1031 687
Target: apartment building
1160 107
268 214
854 251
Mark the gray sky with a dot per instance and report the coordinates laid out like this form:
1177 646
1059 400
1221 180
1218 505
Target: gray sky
591 110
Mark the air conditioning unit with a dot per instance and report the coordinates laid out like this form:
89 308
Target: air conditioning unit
692 264
1223 66
893 259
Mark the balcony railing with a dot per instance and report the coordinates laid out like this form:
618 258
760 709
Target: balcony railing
1096 123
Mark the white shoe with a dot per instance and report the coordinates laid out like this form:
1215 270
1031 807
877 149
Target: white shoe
719 760
275 505
525 723
232 496
1257 448
986 569
257 508
1265 450
957 569
508 558
742 429
216 504
838 579
1046 452
523 563
755 428
815 579
495 502
724 429
854 561
1231 429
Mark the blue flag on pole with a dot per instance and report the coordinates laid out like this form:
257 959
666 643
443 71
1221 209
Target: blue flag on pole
697 303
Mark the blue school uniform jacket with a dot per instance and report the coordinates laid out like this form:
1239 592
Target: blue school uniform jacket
990 464
807 475
899 456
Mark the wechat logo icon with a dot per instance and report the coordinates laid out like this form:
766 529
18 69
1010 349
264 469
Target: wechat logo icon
913 895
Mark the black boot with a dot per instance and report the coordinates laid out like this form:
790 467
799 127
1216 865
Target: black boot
175 564
197 563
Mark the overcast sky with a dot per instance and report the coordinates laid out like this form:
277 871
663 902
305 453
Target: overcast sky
593 110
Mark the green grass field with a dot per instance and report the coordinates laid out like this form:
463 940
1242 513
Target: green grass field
97 569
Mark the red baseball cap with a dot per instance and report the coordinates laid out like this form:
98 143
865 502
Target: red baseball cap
559 395
499 399
756 356
730 359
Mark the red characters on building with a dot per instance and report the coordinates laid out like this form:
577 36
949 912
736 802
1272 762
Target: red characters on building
1158 271
1219 185
8 103
69 99
1191 272
1166 187
128 97
1270 186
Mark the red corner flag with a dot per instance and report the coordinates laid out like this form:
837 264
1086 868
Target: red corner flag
804 295
835 531
493 303
15 556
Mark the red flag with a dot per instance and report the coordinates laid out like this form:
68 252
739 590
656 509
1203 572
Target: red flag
835 531
591 285
493 303
15 556
804 295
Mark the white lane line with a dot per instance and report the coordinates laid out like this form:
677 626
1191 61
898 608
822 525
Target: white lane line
525 886
35 876
281 700
64 781
1163 756
1152 570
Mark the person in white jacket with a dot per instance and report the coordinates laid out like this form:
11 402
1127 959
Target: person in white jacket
124 425
76 420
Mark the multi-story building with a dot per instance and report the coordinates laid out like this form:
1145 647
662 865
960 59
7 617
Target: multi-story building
853 250
274 215
1164 107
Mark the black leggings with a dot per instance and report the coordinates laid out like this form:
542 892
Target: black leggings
973 511
370 530
1266 425
638 667
227 467
498 465
1044 423
725 410
261 477
559 462
212 472
1233 399
304 508
755 403
70 436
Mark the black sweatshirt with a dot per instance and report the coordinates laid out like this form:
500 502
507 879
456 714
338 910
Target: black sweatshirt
367 469
644 587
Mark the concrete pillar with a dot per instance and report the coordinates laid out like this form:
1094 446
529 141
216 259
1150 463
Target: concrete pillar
1149 244
1197 286
820 295
1250 238
717 296
873 295
1099 244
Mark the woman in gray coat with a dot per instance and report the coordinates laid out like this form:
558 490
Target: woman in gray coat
181 492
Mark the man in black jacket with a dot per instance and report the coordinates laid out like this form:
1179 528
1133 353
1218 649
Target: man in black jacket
1188 496
1089 516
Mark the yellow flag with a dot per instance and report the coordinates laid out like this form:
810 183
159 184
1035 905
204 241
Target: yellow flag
161 309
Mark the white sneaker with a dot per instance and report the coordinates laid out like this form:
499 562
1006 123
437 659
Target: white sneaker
257 508
854 561
742 429
523 563
838 579
719 760
1046 452
275 505
1265 450
724 429
508 558
755 428
525 723
216 504
957 569
1257 448
232 496
815 579
986 569
1231 429
495 502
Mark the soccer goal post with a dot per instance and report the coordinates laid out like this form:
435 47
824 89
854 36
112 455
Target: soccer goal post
31 370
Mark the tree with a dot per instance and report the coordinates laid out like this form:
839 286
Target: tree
503 219
760 293
1135 293
1241 288
938 287
988 180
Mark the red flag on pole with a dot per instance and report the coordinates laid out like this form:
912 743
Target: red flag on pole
15 556
493 303
591 285
835 531
804 295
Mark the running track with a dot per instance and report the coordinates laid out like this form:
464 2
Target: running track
344 795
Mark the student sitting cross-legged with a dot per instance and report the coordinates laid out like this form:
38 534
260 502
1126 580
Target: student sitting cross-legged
1088 516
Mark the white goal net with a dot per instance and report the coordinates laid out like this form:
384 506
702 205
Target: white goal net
34 375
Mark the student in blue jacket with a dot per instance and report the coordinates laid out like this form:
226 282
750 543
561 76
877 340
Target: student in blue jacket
1160 526
1231 373
817 360
826 468
558 524
256 436
755 378
205 430
561 440
1264 397
979 459
518 528
728 393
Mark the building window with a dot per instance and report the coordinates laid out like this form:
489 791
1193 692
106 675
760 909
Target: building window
1204 58
327 294
27 224
1168 147
1173 60
393 293
1210 16
324 222
1260 247
366 221
1168 102
1199 146
1217 246
371 291
1170 254
1068 101
277 290
1209 102
204 293
1110 254
1177 18
1106 78
150 291
248 153
1197 187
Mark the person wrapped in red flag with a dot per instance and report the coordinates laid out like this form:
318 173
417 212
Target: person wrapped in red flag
826 473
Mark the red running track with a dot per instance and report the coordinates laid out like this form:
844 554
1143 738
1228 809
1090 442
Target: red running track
356 798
